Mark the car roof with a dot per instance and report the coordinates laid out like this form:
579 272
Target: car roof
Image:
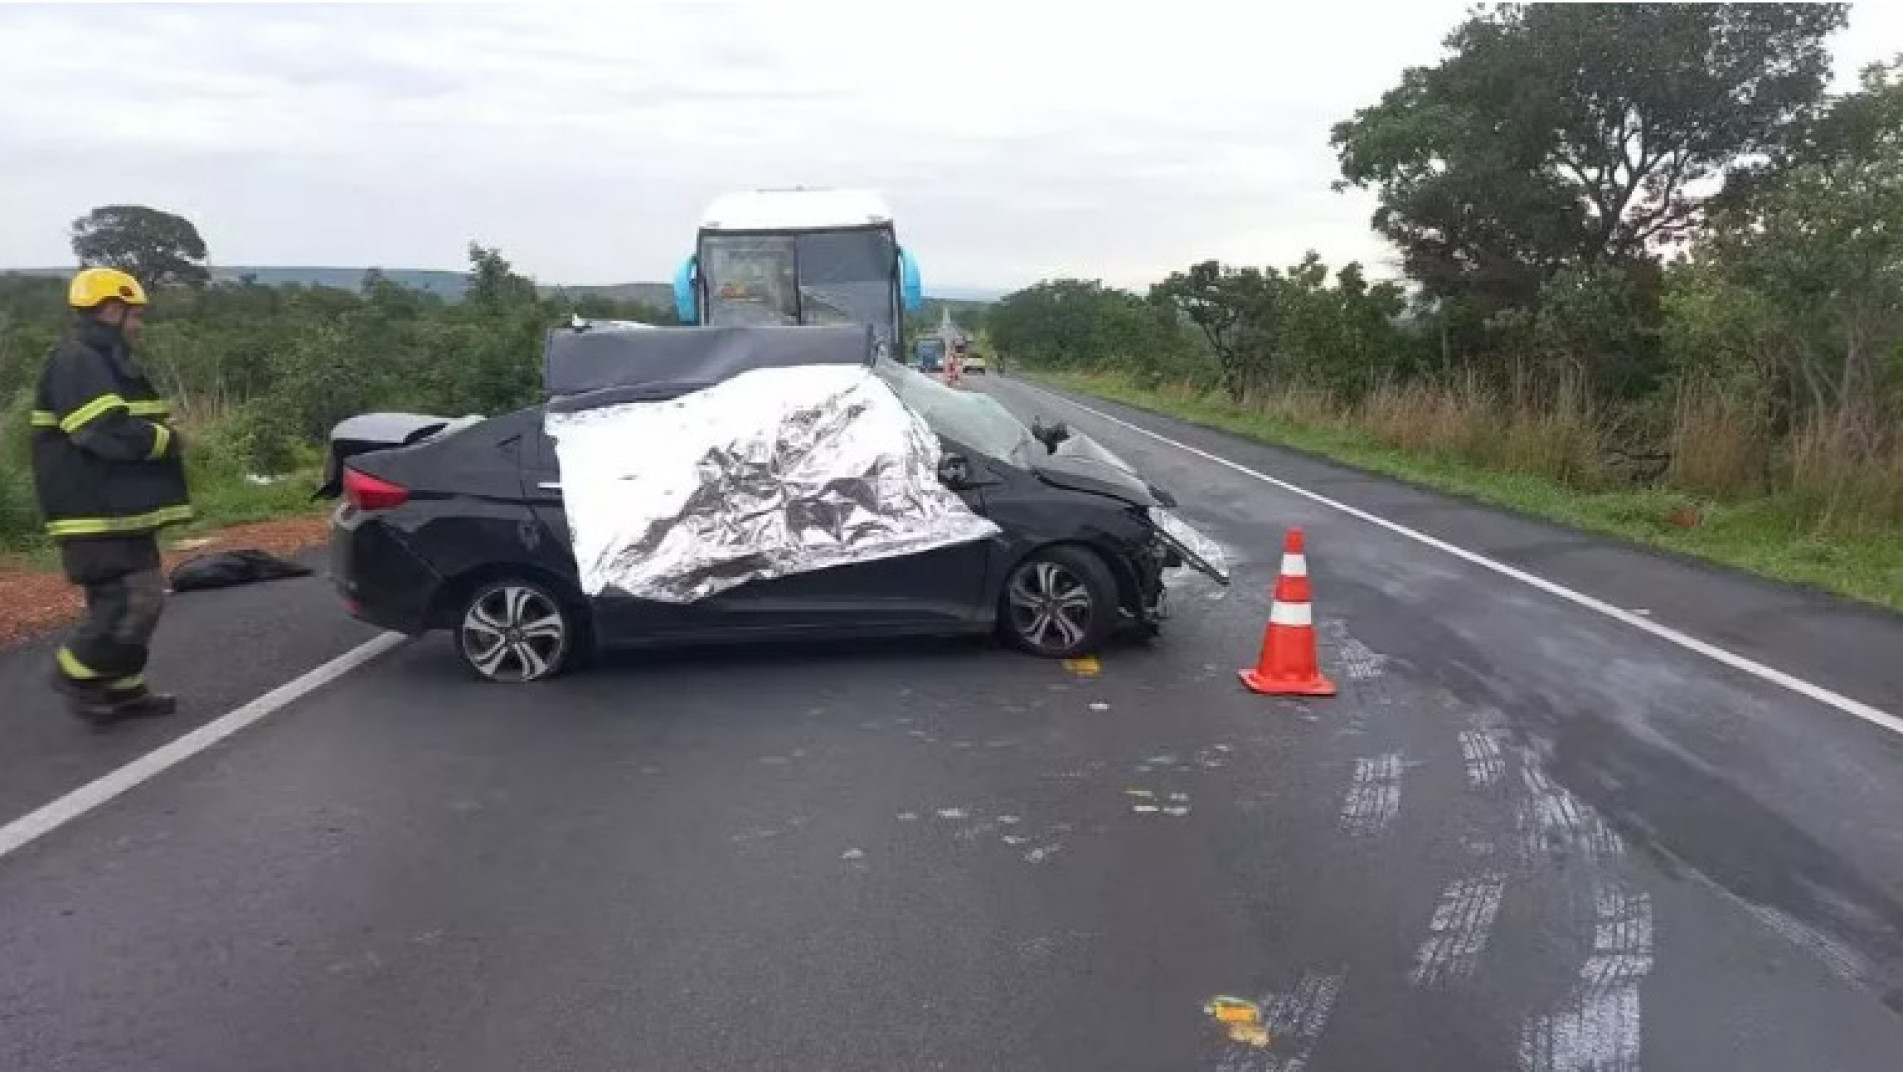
672 360
796 209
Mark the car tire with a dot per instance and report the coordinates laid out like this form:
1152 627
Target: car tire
515 631
1059 603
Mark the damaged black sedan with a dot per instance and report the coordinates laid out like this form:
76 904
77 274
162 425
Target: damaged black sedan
464 524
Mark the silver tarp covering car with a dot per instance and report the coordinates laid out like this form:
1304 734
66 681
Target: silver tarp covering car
771 472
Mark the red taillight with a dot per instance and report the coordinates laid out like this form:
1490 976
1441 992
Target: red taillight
366 492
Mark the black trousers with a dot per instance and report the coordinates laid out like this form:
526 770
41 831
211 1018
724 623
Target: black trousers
125 594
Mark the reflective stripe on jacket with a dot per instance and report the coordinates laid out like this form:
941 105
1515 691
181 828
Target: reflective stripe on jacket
105 460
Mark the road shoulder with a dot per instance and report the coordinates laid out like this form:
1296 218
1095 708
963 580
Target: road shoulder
217 650
1842 645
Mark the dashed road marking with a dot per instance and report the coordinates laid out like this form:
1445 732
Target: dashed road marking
1856 708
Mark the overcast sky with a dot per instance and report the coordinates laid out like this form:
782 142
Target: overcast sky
1016 141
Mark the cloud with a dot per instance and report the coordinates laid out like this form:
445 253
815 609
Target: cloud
1016 140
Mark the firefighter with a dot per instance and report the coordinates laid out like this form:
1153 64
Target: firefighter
107 468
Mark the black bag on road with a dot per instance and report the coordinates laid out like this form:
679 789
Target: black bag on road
224 569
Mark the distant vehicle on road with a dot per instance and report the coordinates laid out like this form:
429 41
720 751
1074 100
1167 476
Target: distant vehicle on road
459 525
928 354
974 364
799 256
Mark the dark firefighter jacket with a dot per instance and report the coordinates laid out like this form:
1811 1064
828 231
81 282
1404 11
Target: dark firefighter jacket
105 461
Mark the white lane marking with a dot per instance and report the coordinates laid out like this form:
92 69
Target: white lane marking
1459 929
1485 764
1598 1028
1374 795
36 824
1857 708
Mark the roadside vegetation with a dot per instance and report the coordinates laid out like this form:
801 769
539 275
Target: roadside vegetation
1653 285
257 375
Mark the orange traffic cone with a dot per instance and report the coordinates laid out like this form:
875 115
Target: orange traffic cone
1288 665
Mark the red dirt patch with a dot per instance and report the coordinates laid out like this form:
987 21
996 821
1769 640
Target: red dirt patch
35 601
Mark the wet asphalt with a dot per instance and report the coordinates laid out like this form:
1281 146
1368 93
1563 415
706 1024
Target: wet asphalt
1524 836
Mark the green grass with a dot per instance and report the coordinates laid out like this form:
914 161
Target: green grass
1774 537
234 502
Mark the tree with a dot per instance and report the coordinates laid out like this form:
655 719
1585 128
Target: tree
1230 307
1559 134
1822 245
157 248
1082 324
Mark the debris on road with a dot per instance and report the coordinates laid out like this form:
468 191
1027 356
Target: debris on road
1241 1019
227 569
1177 807
1043 853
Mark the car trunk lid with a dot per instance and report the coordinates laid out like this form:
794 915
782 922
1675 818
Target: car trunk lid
371 432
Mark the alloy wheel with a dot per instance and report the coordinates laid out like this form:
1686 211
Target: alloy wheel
1050 607
515 633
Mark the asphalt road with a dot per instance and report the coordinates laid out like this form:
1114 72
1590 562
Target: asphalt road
1526 835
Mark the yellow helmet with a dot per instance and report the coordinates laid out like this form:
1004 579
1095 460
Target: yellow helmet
95 285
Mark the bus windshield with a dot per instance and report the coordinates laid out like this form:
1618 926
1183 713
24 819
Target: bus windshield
821 277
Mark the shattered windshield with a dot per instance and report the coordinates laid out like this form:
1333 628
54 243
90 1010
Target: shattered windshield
974 421
751 280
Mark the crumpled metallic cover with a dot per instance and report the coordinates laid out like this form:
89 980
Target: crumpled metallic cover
773 472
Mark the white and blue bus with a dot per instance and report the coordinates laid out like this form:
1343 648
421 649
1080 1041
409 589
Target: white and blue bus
799 256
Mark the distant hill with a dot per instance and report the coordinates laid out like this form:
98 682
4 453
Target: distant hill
452 284
659 295
447 284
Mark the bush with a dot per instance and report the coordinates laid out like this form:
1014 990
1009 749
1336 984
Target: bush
19 508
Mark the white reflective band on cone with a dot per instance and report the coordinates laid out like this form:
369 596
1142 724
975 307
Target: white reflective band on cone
1294 565
1291 614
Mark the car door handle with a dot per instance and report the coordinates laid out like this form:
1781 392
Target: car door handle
550 485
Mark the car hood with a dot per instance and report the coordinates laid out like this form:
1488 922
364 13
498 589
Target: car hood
1082 464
